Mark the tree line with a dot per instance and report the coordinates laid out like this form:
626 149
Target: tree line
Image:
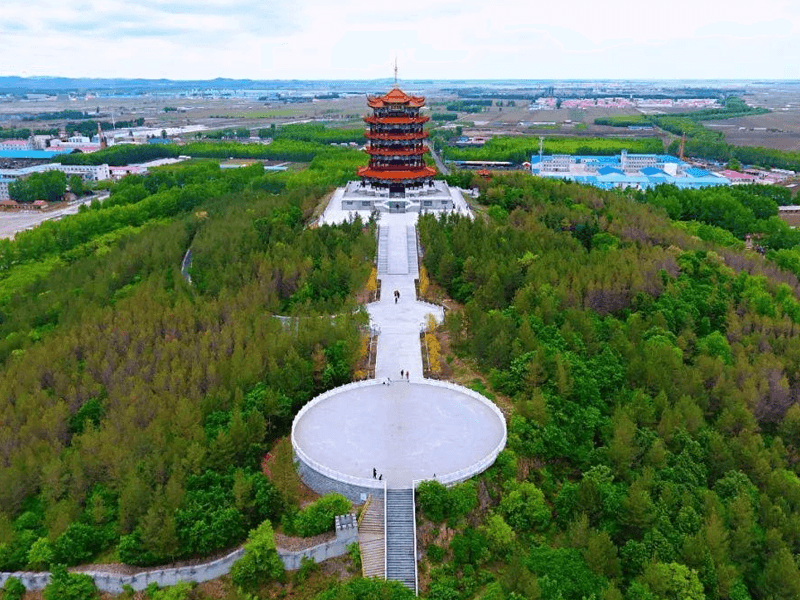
280 149
88 128
520 149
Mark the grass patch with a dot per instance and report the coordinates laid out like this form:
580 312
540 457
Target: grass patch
477 385
21 276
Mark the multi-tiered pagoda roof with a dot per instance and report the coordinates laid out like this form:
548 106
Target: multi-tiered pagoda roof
396 143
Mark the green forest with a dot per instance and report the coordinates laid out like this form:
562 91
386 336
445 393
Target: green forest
137 408
648 366
282 148
520 149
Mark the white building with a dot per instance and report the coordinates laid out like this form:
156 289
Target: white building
86 172
4 195
16 145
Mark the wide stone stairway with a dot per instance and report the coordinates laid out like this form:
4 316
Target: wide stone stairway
383 249
401 552
372 540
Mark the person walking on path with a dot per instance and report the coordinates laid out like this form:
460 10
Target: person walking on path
374 473
407 376
401 373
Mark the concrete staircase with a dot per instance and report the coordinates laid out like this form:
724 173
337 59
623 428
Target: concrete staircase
372 540
383 249
401 556
411 245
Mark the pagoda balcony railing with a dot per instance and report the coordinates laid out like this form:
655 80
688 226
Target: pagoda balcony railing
383 113
398 144
396 120
401 167
395 151
381 126
380 135
394 131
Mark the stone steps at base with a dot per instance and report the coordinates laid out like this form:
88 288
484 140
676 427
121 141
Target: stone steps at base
400 550
372 540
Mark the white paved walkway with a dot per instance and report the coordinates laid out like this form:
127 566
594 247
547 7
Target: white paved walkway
401 321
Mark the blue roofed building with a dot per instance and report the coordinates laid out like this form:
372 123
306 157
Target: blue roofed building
32 154
624 171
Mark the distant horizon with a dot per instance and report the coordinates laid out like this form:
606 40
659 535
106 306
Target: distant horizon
313 40
410 79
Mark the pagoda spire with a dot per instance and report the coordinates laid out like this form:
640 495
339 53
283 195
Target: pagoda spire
395 71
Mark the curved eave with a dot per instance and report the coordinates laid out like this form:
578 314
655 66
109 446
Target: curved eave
382 103
396 120
395 97
404 175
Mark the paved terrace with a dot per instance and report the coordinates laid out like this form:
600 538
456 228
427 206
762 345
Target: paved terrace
406 430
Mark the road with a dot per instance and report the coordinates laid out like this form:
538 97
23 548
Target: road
13 222
439 164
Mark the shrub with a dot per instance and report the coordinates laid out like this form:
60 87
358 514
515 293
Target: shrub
174 592
319 516
373 589
69 586
13 589
433 500
435 553
354 550
260 562
77 544
440 503
40 555
524 508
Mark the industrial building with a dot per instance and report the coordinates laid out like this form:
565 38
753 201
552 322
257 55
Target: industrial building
623 171
30 155
86 172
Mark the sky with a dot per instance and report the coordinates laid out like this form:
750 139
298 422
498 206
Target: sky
432 39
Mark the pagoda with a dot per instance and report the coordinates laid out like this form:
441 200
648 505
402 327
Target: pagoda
395 144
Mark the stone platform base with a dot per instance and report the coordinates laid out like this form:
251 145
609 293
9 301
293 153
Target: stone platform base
360 196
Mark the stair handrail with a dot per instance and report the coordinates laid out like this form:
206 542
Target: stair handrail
364 509
385 535
414 512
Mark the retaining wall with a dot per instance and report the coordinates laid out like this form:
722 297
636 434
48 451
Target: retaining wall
346 533
322 484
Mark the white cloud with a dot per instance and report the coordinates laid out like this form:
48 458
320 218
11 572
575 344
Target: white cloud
187 39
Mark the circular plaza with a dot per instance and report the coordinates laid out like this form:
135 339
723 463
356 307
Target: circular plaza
403 431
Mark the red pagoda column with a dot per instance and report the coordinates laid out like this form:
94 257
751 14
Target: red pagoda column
395 143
